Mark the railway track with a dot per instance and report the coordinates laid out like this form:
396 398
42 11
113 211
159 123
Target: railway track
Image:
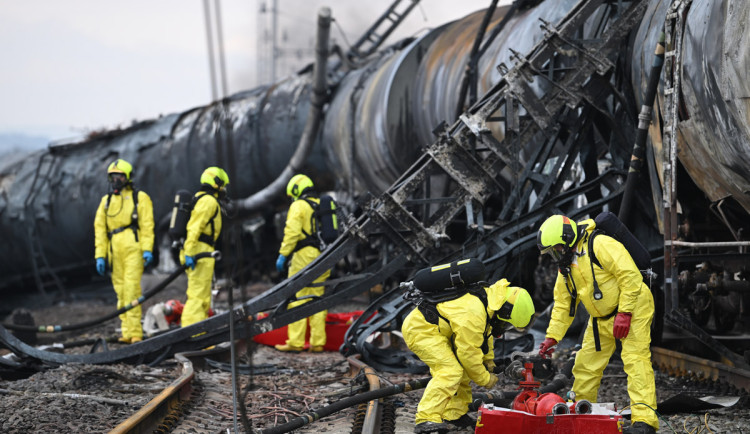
201 399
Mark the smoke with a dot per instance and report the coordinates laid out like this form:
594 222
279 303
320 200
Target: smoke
296 22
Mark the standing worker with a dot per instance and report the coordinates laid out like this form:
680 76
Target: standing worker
203 230
124 234
455 339
301 242
620 306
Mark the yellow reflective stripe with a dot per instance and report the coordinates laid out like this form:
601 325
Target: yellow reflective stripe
463 262
440 267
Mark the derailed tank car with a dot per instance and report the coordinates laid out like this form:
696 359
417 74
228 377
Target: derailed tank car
384 108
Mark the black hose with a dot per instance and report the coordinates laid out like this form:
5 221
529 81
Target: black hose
644 119
148 294
501 399
344 403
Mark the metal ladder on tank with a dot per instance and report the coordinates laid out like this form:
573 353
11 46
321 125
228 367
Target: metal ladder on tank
374 37
44 275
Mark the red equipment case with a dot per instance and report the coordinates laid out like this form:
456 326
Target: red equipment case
498 420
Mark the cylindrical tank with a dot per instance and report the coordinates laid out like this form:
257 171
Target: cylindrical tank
714 129
48 199
380 115
384 113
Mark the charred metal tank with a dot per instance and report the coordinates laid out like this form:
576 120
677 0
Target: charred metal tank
714 128
381 114
382 110
48 198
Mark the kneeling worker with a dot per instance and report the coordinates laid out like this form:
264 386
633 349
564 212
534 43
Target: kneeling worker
455 339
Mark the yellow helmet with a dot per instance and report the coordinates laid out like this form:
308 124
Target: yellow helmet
216 177
120 166
297 186
556 230
518 308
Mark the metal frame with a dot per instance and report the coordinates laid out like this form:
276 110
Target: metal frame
467 162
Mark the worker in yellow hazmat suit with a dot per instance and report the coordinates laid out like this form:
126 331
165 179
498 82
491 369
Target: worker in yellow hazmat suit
301 243
124 234
621 308
203 230
456 342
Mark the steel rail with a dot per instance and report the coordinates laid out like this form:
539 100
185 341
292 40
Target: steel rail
373 413
153 415
684 365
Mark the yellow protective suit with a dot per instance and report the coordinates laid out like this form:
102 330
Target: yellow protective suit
125 250
205 212
453 351
622 287
299 219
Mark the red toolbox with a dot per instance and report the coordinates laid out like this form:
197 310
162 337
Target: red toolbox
503 420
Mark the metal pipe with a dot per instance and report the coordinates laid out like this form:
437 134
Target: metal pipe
310 133
471 66
707 244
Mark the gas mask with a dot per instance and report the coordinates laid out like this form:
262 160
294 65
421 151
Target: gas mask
222 194
561 254
117 181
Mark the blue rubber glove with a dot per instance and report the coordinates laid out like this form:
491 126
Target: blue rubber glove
100 267
280 263
147 258
190 262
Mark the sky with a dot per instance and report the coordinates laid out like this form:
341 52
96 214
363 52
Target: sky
75 66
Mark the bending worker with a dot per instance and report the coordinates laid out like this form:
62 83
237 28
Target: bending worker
203 229
300 241
620 306
124 234
455 339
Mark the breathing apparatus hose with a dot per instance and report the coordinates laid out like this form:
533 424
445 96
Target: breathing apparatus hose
344 403
148 294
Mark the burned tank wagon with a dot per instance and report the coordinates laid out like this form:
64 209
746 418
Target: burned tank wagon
381 113
385 105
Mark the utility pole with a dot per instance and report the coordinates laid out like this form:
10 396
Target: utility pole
216 92
274 39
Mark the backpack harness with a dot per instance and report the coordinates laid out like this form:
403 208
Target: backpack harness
205 238
427 305
133 219
312 239
589 240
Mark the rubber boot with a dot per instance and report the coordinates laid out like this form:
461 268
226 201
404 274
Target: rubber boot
465 421
288 348
431 427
